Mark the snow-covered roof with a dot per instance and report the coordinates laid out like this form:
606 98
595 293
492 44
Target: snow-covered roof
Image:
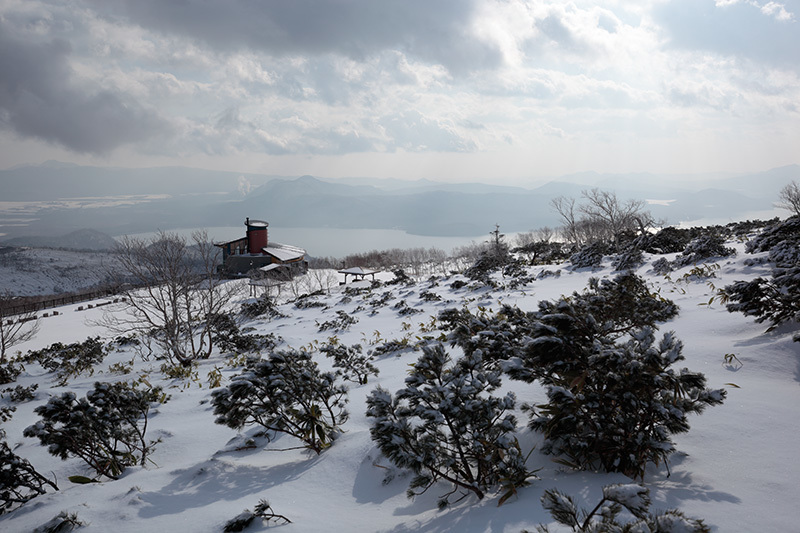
358 271
271 266
284 252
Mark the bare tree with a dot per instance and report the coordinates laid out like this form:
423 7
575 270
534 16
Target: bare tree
601 217
323 279
565 207
613 214
16 328
170 289
790 198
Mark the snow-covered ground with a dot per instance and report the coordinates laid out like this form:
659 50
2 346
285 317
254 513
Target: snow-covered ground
39 271
736 468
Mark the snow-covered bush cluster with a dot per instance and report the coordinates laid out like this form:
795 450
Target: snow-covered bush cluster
440 371
444 425
775 299
590 256
106 429
605 516
613 400
69 360
285 393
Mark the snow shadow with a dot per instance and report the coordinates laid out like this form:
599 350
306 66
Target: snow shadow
377 481
680 486
471 515
216 480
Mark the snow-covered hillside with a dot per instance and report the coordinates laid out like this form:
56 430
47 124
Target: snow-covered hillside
736 468
41 271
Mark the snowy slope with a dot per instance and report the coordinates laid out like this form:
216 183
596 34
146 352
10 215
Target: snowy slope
736 468
41 271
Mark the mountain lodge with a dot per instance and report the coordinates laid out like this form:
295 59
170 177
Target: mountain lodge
254 252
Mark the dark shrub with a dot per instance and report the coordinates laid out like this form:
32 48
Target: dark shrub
444 426
106 429
285 393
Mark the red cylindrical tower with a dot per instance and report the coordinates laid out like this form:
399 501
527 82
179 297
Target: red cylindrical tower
256 235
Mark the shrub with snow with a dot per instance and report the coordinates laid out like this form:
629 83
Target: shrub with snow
229 338
629 259
9 372
605 515
262 510
617 405
662 266
702 248
107 429
613 401
69 360
445 426
590 256
776 299
263 306
668 240
19 481
285 393
352 363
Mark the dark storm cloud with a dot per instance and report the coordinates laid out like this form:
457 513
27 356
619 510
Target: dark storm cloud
433 31
740 29
39 98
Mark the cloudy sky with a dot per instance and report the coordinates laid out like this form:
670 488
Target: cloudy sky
455 90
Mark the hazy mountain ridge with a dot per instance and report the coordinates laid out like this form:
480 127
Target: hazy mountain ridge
202 198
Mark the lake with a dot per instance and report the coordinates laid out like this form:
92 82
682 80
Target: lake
334 242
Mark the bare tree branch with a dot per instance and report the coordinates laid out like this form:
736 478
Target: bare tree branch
14 329
170 290
790 198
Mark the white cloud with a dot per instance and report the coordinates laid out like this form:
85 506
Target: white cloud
245 81
777 10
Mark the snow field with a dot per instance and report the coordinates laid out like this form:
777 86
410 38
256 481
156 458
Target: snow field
736 468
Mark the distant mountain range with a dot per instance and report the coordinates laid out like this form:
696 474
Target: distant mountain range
180 197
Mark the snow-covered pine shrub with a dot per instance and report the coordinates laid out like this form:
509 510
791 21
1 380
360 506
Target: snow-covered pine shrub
517 271
613 401
263 510
605 515
624 303
229 338
617 407
661 266
9 372
428 296
542 252
342 322
445 426
616 307
69 360
629 259
61 523
393 346
774 234
589 256
19 481
702 248
668 240
352 363
263 306
488 262
776 299
20 394
400 278
285 393
403 309
106 429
